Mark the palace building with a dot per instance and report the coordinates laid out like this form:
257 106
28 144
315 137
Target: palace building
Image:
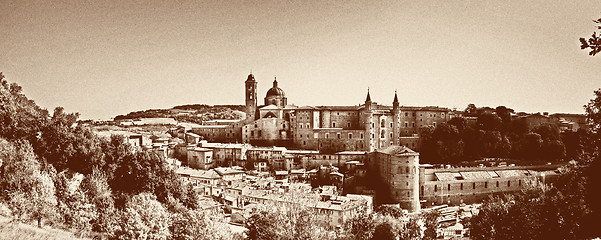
363 127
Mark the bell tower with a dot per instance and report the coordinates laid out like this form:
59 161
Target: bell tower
251 97
396 121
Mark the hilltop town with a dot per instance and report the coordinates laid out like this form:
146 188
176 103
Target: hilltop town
337 160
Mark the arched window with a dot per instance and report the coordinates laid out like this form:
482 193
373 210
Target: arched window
383 135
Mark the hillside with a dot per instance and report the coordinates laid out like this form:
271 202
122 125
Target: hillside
10 230
193 113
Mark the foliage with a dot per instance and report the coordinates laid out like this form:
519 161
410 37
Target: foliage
392 211
30 192
199 224
295 222
594 42
104 187
77 211
144 218
494 134
538 212
20 117
382 225
430 219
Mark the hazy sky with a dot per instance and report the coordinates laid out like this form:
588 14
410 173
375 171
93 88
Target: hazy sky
102 58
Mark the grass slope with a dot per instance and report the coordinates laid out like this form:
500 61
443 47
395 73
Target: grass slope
9 230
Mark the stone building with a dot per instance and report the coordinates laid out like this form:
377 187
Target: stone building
364 127
406 182
398 169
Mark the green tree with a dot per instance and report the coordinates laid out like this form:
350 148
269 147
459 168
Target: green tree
360 227
20 117
430 220
294 222
30 192
594 42
470 110
144 218
489 122
199 224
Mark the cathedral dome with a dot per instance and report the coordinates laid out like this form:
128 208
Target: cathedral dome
275 90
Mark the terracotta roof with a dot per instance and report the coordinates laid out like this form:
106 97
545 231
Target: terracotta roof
397 150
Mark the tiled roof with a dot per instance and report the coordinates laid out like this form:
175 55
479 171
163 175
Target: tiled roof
447 176
475 175
397 150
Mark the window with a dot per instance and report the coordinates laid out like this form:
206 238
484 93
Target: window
406 114
520 182
308 125
486 185
449 187
390 135
338 135
301 125
406 169
434 124
391 124
350 136
474 185
461 186
497 183
400 170
361 135
301 136
372 125
435 188
406 124
333 124
422 191
509 183
327 135
348 125
383 134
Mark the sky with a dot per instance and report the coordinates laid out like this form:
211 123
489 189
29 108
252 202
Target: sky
103 58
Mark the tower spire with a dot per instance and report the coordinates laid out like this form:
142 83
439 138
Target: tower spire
368 99
396 99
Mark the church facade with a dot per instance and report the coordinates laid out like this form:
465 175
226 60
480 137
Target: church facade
363 127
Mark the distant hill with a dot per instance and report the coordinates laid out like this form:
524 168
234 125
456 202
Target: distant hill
193 113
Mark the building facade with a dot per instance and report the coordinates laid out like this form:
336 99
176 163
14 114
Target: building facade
363 127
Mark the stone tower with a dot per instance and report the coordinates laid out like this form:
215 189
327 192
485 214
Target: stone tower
251 97
398 168
396 121
367 120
